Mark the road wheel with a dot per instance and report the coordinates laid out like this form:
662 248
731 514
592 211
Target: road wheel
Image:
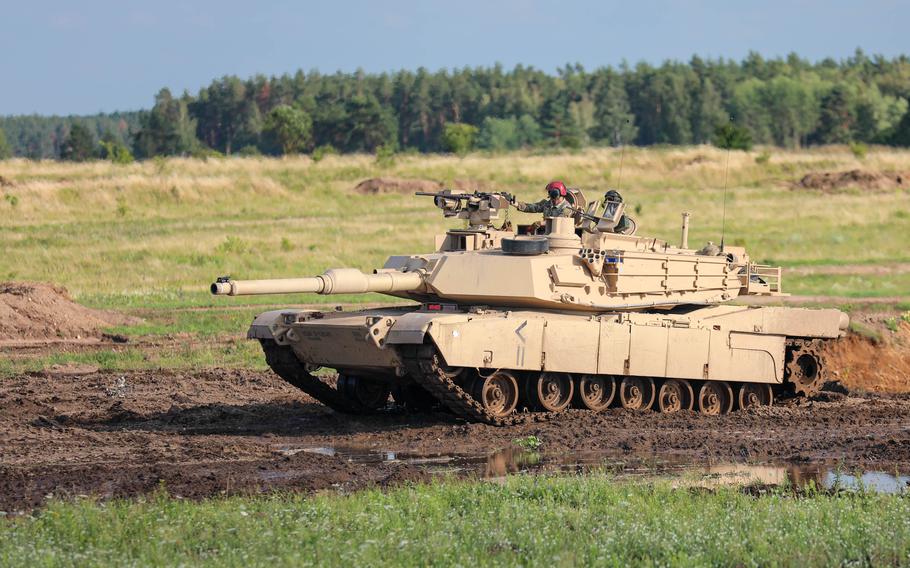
595 392
497 393
715 397
370 394
637 393
551 392
752 395
675 395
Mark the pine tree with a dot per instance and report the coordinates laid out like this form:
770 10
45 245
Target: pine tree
558 126
5 150
901 134
79 144
221 112
732 137
614 122
836 120
368 125
708 111
167 129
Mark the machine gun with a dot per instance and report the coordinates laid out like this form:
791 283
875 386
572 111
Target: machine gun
479 208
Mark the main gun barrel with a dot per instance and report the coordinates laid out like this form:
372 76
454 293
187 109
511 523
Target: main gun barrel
334 281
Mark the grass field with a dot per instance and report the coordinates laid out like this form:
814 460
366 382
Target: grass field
527 521
149 237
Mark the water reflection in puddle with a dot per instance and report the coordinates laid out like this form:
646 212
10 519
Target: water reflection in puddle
515 460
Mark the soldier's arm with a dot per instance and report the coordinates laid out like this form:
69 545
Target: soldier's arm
531 207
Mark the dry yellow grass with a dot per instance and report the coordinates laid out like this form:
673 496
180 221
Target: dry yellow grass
165 225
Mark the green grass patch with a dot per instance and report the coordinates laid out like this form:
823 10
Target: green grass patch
524 521
187 355
201 323
849 285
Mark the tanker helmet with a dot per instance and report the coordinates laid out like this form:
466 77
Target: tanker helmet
556 189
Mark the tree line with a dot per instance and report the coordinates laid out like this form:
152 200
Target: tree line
788 102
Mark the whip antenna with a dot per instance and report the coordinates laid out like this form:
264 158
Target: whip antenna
723 222
622 155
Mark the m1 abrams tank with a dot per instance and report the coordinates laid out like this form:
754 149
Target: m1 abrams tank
507 327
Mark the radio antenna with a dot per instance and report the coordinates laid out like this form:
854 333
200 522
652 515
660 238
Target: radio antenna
622 155
723 222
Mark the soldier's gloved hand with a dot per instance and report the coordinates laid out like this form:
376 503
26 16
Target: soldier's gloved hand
510 197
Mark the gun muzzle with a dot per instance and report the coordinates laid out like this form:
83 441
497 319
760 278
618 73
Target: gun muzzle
334 281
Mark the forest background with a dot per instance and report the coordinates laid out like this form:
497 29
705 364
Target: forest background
787 102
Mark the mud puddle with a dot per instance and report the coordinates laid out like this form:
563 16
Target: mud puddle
519 461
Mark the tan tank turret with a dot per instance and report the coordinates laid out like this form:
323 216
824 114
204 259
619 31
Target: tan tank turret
577 314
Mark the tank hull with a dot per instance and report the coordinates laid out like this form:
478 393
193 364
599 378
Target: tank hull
686 348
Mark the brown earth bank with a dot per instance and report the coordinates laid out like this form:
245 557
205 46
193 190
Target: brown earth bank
214 432
35 310
875 355
856 179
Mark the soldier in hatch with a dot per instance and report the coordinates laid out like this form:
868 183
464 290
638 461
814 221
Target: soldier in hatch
555 205
625 225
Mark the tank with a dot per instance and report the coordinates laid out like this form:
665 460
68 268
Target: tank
509 324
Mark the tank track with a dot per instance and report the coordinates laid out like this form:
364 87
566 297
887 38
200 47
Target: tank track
425 367
284 363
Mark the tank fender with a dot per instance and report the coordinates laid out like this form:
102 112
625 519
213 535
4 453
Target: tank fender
270 325
492 341
765 359
411 328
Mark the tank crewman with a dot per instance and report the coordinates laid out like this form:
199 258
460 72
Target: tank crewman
625 225
554 205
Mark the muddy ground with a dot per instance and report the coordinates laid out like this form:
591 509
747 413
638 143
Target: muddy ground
74 430
214 432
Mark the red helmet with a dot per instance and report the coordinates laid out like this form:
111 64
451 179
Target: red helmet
557 186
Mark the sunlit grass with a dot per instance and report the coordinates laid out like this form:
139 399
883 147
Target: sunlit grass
522 521
851 285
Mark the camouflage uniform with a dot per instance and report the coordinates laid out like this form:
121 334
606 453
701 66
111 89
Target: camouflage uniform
546 207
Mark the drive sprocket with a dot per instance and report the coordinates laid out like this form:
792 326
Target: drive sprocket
805 368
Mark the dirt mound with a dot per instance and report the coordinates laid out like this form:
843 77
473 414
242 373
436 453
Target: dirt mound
874 363
31 310
373 186
861 179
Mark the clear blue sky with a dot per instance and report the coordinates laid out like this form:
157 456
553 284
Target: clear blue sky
83 57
